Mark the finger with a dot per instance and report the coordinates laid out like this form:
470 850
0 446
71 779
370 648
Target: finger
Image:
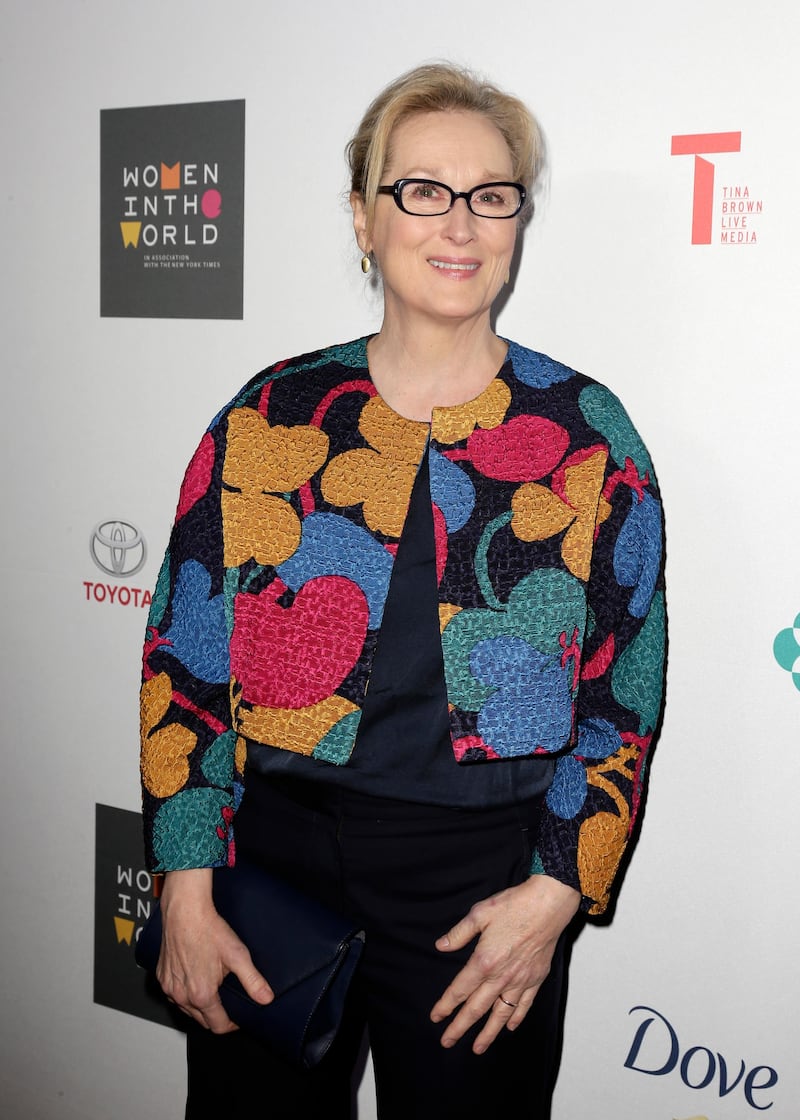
457 992
205 1007
522 1008
476 1007
215 1018
257 987
253 982
460 935
498 1018
509 1008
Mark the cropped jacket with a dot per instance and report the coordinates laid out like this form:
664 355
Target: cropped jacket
267 609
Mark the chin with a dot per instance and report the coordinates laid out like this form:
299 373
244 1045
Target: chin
455 310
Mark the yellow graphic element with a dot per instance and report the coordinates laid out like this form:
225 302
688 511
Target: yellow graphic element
602 837
124 927
170 177
296 729
487 411
540 514
240 755
260 458
380 480
165 768
447 611
130 234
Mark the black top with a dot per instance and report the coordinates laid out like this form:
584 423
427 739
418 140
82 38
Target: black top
403 748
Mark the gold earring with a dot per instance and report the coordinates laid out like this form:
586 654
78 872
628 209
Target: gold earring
366 264
508 277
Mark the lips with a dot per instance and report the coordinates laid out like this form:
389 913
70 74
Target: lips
454 266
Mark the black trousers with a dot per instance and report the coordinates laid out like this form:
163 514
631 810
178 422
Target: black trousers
406 872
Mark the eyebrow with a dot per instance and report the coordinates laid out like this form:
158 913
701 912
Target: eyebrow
427 173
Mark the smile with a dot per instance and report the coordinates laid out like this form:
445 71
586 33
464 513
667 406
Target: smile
453 266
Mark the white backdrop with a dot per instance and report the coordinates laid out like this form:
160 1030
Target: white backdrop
700 341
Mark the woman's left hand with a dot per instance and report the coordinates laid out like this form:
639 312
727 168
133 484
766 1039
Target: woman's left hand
517 931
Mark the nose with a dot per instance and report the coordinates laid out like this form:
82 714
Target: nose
459 222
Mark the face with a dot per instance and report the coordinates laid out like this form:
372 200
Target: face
450 267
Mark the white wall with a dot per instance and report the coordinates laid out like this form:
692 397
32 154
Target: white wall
700 342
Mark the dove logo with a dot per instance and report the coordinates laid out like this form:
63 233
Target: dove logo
656 1050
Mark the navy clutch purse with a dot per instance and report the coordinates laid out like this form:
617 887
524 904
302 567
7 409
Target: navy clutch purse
307 952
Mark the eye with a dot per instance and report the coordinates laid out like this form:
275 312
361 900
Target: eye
491 196
425 191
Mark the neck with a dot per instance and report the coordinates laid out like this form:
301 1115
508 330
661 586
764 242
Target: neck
419 366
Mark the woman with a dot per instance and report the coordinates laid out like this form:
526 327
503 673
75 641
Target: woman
472 530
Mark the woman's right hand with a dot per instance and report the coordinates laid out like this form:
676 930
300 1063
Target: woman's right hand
199 949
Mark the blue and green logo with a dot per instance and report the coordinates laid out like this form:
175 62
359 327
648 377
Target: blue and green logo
786 648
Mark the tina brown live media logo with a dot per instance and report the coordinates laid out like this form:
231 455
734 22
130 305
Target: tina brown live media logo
172 211
735 203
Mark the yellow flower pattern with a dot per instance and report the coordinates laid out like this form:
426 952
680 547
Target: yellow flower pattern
298 729
539 513
486 411
165 766
378 477
262 461
602 837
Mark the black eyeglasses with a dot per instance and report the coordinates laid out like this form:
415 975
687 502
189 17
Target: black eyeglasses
425 198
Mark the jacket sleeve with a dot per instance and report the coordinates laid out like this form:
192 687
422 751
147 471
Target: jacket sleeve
597 789
191 775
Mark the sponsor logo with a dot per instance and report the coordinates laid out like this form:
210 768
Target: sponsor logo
118 549
124 895
656 1050
786 648
737 205
116 594
172 210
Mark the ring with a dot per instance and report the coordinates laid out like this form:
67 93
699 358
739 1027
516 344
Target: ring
507 1002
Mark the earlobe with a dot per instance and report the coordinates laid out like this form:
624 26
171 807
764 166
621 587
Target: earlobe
360 221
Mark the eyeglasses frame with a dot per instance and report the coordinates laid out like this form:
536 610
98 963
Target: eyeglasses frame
396 188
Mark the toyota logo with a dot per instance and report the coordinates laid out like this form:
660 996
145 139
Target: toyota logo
117 548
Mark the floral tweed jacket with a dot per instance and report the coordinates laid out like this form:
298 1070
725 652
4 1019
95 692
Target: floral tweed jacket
264 621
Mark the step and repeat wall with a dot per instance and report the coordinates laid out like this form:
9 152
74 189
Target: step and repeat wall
174 218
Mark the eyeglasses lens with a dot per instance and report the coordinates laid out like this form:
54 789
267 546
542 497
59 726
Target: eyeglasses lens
493 200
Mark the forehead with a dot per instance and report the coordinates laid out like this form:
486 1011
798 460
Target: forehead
443 144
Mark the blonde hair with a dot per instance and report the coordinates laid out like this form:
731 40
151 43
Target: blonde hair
440 87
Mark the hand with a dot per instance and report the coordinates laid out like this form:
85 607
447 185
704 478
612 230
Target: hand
199 949
517 931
